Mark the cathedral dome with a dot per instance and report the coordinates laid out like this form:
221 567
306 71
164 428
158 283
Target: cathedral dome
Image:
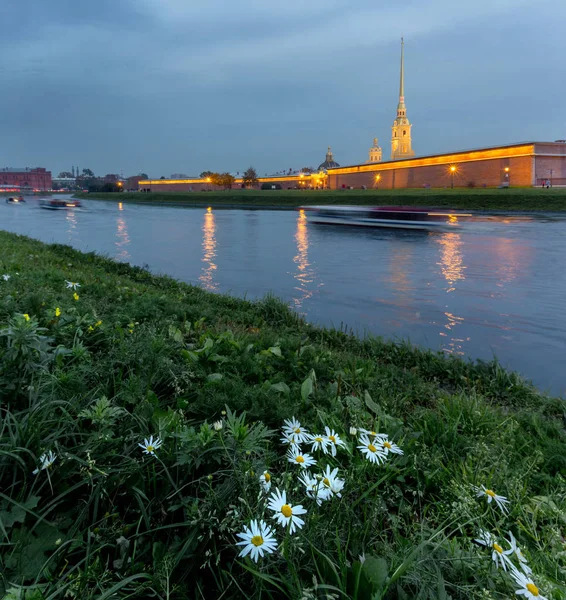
329 162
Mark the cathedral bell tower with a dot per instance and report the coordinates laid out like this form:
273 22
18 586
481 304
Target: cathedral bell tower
375 152
401 129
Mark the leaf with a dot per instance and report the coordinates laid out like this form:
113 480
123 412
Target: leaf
373 406
215 377
375 569
275 350
281 387
175 333
306 389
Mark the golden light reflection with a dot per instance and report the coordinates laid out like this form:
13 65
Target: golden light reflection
122 240
120 206
305 274
71 219
209 251
453 270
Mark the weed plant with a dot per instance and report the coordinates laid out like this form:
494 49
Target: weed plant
140 433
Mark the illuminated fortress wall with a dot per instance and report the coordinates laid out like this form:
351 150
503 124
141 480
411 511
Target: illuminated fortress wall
521 165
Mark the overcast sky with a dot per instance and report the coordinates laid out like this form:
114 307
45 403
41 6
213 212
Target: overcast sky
169 86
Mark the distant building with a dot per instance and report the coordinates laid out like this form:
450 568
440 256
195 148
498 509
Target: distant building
180 176
329 163
375 152
28 179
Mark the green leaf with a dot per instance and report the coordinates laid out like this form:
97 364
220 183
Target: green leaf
375 569
275 350
306 389
373 406
281 387
215 377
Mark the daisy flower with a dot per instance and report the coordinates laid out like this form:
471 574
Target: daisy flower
520 556
318 442
334 440
265 480
373 434
217 425
527 586
314 488
72 285
292 426
290 439
45 461
353 431
388 447
257 540
151 445
302 459
501 501
5 277
372 450
331 482
498 555
286 514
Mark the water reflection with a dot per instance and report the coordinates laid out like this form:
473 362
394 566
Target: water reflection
71 218
209 251
122 237
305 274
453 270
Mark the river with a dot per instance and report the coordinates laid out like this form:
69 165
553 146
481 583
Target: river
495 288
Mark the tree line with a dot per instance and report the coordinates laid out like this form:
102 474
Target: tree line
226 180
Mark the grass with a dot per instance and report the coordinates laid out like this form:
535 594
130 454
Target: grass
523 199
137 355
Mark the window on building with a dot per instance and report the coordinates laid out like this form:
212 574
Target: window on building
404 132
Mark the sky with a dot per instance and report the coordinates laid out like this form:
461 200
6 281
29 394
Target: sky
180 86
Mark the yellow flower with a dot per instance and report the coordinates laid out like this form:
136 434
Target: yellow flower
98 324
26 317
90 328
75 296
57 312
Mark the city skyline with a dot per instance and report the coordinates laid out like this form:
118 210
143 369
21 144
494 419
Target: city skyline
163 87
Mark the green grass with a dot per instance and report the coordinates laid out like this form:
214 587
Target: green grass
137 355
523 199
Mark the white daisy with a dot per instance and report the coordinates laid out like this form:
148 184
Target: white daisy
389 447
373 434
318 442
498 555
527 586
520 556
334 440
501 501
217 425
302 459
151 445
314 488
265 480
290 439
257 540
72 285
372 450
45 461
286 514
292 426
331 482
5 277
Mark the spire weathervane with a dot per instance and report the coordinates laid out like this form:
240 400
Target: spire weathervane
402 78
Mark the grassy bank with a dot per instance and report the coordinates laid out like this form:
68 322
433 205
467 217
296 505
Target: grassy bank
524 199
90 374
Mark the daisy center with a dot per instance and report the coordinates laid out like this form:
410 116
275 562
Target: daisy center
287 510
387 445
326 482
490 493
318 439
372 448
267 477
298 430
532 588
498 548
257 540
300 459
332 439
150 448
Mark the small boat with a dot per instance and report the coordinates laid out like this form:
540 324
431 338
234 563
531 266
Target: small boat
60 204
15 200
396 217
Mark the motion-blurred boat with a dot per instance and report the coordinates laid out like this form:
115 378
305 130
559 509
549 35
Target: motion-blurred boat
15 200
60 204
397 217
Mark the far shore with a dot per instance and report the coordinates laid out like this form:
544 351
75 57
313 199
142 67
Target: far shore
516 199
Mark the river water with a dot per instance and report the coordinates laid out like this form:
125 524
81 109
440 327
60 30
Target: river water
495 288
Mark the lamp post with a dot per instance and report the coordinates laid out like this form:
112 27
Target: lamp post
377 178
452 171
506 175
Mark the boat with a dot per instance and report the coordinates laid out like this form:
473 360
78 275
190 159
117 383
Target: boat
15 200
60 204
396 217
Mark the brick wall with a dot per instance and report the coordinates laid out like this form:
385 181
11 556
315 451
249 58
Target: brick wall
37 179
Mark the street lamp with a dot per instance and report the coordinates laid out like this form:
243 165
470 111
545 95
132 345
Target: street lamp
452 171
377 178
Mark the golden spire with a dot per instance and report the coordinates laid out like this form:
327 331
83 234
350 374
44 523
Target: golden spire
401 104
